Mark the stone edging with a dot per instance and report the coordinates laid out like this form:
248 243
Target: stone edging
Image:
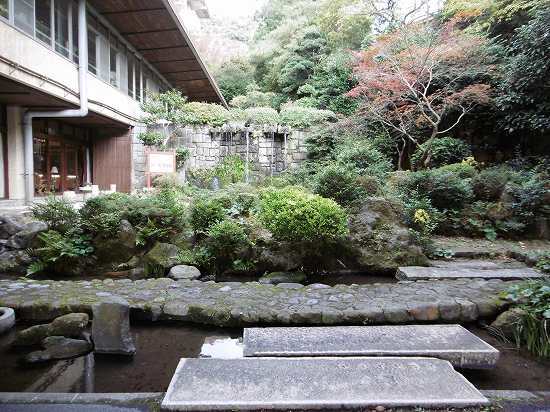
244 304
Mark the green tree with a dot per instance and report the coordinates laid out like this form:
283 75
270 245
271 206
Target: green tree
524 95
346 23
235 77
332 79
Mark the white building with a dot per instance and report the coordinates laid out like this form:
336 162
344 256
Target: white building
135 47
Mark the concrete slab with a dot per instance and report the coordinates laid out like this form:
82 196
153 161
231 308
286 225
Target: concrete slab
449 342
431 273
317 384
477 264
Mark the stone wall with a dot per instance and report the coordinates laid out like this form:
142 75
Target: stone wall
267 152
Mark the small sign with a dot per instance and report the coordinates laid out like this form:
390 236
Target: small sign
161 162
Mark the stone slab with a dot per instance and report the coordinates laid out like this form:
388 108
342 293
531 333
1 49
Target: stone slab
433 273
111 328
449 342
317 384
477 264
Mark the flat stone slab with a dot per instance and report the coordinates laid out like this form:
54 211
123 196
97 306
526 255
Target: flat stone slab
449 342
317 384
433 273
478 264
111 328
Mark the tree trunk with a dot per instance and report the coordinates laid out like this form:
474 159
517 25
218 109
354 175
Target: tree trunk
427 155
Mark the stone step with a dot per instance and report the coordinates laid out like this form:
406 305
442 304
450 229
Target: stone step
432 273
477 264
449 342
318 384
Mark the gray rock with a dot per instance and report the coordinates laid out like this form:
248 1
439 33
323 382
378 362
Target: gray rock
318 383
31 336
14 261
427 273
447 342
275 278
118 249
162 257
111 328
507 322
57 348
24 239
9 226
184 272
7 319
290 285
71 325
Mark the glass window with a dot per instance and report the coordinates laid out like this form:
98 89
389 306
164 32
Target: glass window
23 15
104 51
4 8
113 66
92 51
75 32
131 64
61 15
43 17
138 80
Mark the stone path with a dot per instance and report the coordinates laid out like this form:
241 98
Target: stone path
318 383
449 342
426 273
246 304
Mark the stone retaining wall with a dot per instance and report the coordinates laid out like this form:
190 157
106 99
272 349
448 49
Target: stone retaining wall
245 304
268 153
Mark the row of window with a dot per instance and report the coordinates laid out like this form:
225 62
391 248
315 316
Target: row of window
55 24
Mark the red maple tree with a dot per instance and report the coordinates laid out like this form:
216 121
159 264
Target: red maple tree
419 78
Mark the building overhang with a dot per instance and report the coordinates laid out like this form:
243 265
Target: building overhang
153 28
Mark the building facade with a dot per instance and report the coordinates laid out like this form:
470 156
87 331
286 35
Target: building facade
135 48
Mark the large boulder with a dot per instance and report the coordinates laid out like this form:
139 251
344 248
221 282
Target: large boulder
71 325
507 322
161 258
184 272
14 261
57 348
118 249
379 241
276 278
24 239
111 328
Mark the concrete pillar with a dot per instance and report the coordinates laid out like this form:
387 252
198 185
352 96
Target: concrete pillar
16 152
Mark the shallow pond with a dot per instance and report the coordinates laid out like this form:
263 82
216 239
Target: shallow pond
160 346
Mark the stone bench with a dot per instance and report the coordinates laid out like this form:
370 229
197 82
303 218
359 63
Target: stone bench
435 273
318 384
449 342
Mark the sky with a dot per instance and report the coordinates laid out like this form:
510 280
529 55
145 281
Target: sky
234 8
243 8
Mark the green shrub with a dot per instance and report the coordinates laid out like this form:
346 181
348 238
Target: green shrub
443 151
57 248
182 155
530 197
463 170
58 214
102 214
210 114
338 183
206 212
489 184
364 159
225 241
262 116
232 169
445 190
321 143
292 214
532 330
303 117
151 138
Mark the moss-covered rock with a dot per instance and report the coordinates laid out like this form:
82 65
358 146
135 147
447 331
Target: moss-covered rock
161 258
275 278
